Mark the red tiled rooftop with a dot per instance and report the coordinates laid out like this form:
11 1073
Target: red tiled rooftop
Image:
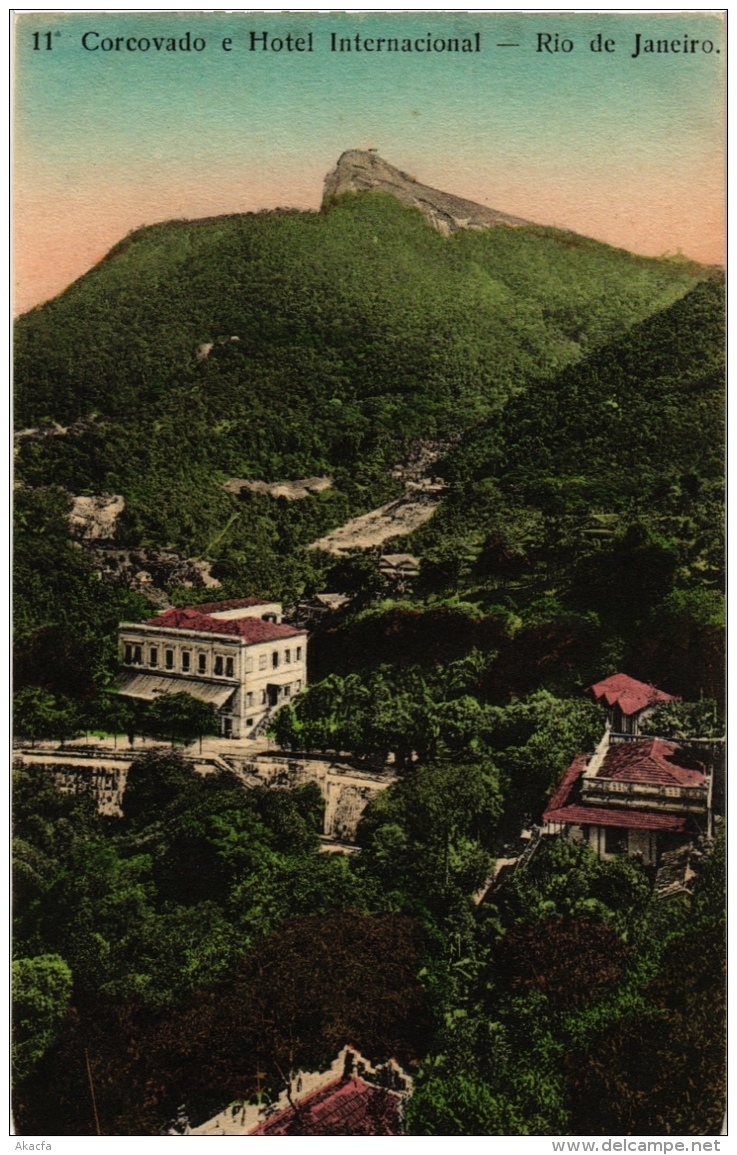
632 762
233 604
348 1106
566 784
630 695
652 762
250 629
628 819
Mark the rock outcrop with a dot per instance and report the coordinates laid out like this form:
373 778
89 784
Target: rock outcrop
357 171
291 490
95 518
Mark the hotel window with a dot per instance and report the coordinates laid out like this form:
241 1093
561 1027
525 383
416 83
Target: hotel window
615 840
299 653
275 659
287 656
169 659
262 661
202 663
186 657
137 658
219 666
228 667
128 654
153 657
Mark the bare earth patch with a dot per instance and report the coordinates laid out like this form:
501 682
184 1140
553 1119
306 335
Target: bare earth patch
371 529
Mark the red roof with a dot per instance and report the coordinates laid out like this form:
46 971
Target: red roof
652 762
566 784
629 819
630 695
348 1106
233 604
632 762
250 629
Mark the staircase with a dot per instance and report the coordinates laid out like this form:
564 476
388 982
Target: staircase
262 726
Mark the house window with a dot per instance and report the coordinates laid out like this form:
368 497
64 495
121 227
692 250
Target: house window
672 791
299 653
263 697
169 659
202 663
249 665
186 657
287 656
262 661
275 659
228 667
287 691
249 721
249 699
298 685
153 657
137 658
128 655
218 666
615 840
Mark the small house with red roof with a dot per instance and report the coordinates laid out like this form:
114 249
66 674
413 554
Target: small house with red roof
627 702
640 797
237 655
352 1097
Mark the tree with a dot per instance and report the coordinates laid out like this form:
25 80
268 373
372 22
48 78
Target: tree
572 961
182 717
42 989
429 835
533 741
302 993
660 1072
39 714
119 714
34 713
155 780
355 575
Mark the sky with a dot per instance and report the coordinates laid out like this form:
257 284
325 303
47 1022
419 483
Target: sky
625 145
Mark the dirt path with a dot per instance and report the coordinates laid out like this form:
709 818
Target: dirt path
421 497
396 518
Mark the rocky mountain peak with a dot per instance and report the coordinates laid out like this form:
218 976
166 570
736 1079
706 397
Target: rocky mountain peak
358 170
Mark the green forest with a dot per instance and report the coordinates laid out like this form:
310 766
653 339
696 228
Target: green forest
200 946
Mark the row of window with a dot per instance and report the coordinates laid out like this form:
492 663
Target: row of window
629 788
263 658
223 667
281 691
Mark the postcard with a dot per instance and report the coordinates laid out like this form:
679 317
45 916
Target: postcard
368 769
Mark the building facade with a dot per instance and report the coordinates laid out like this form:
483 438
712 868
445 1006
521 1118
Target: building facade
237 655
627 703
633 795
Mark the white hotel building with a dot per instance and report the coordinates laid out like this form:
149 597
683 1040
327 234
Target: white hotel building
235 654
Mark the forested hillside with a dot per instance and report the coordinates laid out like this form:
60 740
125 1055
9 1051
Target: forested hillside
336 338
